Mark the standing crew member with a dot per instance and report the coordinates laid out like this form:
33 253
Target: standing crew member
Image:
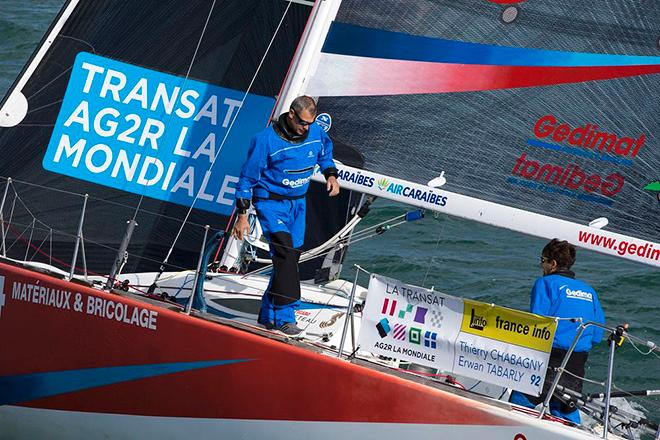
558 293
275 176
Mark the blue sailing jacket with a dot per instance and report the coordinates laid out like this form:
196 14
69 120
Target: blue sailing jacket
565 297
275 165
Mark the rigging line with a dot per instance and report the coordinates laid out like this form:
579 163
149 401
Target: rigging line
582 378
39 247
66 265
192 62
44 106
91 197
16 196
88 241
647 401
651 402
231 125
80 40
49 83
269 262
43 187
356 236
257 295
380 224
437 245
67 234
36 228
339 244
11 213
222 242
17 238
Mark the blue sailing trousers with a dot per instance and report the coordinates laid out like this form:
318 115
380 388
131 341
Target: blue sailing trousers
283 225
555 407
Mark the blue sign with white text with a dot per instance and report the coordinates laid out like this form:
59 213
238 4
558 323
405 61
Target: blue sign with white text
154 134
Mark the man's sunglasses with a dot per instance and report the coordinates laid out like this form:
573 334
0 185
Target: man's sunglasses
301 121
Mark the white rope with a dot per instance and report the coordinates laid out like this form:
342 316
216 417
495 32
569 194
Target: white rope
652 350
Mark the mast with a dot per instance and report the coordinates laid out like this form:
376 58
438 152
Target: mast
307 56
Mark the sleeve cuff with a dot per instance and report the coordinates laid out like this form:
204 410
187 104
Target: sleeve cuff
330 171
242 205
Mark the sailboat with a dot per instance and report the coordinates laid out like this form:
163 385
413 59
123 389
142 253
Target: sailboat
128 127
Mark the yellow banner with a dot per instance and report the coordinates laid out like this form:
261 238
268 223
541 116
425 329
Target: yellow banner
508 325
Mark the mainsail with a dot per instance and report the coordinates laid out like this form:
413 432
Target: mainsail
545 125
130 102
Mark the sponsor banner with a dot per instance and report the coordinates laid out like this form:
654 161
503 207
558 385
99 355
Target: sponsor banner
152 133
589 167
403 191
410 323
508 325
16 294
477 340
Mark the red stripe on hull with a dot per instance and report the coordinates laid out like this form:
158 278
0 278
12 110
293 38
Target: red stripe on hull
282 383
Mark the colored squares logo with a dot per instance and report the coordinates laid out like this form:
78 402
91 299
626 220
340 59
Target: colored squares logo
399 332
409 309
430 339
420 314
389 307
436 318
415 336
383 327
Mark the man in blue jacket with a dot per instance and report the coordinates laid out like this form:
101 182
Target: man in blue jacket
275 176
558 293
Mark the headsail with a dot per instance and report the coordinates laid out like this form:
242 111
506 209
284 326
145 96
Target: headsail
542 125
110 72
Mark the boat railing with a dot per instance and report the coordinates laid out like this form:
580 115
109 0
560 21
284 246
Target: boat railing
19 220
616 337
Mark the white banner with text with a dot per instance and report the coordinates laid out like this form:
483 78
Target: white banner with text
464 337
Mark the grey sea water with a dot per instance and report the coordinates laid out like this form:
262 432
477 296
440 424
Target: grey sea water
459 257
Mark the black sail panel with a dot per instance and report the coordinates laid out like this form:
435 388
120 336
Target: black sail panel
220 52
